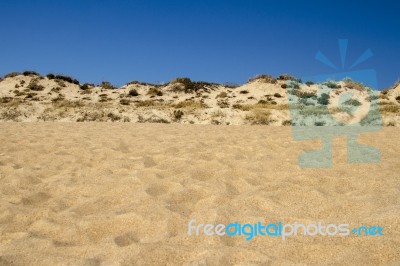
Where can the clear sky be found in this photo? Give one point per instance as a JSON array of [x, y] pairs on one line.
[[220, 41]]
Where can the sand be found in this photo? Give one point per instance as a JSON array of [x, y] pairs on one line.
[[123, 194]]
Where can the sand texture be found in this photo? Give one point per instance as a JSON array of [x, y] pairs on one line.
[[123, 194]]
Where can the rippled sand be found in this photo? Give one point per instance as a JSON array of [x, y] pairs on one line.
[[109, 194]]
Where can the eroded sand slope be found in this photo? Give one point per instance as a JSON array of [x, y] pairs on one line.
[[106, 193]]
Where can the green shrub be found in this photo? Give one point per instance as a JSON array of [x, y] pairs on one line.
[[178, 114], [133, 93], [352, 102], [332, 85], [50, 76], [67, 79], [324, 99], [12, 75], [30, 73], [85, 86], [107, 86]]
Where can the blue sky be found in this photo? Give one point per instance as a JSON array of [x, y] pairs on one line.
[[220, 41]]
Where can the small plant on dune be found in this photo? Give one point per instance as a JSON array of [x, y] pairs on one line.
[[178, 114], [146, 103], [324, 99], [223, 104], [398, 98], [284, 86], [113, 117], [222, 95], [242, 107], [30, 73], [60, 83], [12, 75], [154, 92], [34, 86], [304, 94], [190, 104], [124, 101], [286, 123], [51, 76], [264, 78], [287, 77], [259, 117], [353, 85], [244, 92], [67, 79], [133, 93], [189, 86], [277, 95], [85, 86], [107, 86], [390, 108], [309, 83], [319, 123], [332, 85], [352, 102]]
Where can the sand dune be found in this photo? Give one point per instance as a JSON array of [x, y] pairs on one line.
[[123, 194], [263, 100]]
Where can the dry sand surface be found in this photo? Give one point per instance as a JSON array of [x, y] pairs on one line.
[[123, 194]]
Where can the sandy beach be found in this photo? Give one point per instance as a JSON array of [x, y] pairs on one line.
[[123, 194]]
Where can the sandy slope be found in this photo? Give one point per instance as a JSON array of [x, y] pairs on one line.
[[31, 98], [107, 193]]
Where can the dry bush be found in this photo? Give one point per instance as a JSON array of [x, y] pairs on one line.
[[188, 86], [218, 113], [125, 101], [263, 78], [11, 114], [67, 79], [259, 117], [146, 103], [242, 107], [390, 108], [67, 104], [223, 104], [154, 92], [222, 95], [107, 86], [12, 75], [353, 85], [60, 83], [190, 104], [34, 86], [153, 119]]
